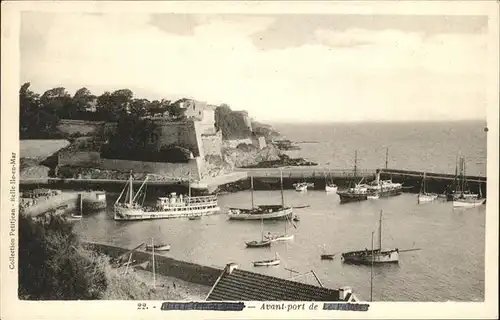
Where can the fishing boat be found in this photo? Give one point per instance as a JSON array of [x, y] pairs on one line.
[[379, 255], [328, 256], [262, 212], [329, 185], [374, 190], [374, 196], [463, 197], [423, 195], [173, 206], [194, 217], [266, 263], [262, 243], [301, 186], [282, 237], [158, 247]]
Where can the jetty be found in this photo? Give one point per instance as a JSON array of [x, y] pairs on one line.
[[269, 179]]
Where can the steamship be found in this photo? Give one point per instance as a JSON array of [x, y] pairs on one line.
[[173, 206], [375, 189]]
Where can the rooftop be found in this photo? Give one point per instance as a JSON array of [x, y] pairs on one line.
[[241, 285]]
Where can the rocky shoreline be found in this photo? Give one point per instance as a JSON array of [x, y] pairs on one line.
[[283, 161]]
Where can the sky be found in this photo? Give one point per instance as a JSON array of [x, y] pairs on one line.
[[288, 67]]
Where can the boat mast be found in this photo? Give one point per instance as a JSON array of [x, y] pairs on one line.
[[355, 163], [262, 229], [386, 157], [154, 274], [380, 232], [251, 189], [189, 184], [131, 189], [281, 182], [371, 272]]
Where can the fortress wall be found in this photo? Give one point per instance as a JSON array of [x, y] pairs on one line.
[[212, 144], [168, 170], [184, 134]]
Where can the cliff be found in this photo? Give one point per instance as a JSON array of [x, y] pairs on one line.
[[247, 155]]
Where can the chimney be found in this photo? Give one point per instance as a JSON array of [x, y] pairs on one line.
[[230, 267], [343, 292]]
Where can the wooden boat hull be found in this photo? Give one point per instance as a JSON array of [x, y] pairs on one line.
[[327, 256], [258, 244], [266, 263], [279, 214], [281, 238], [468, 203], [331, 188], [367, 257], [426, 197], [165, 247]]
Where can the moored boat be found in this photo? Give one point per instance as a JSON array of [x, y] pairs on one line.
[[367, 256], [258, 244], [374, 196], [468, 202], [173, 206], [327, 256], [374, 189], [332, 187], [266, 263], [282, 237], [463, 197], [262, 212], [423, 195], [301, 186]]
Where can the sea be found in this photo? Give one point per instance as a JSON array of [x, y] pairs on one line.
[[449, 265]]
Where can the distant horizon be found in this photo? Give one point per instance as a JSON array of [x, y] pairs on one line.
[[302, 67]]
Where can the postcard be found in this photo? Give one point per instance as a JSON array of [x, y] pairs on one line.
[[241, 160]]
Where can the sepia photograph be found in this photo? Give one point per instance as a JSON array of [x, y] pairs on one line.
[[312, 156]]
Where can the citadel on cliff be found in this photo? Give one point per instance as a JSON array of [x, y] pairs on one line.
[[210, 156]]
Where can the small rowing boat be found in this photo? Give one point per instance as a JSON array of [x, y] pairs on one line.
[[266, 263]]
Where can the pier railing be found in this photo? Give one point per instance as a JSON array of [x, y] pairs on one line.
[[306, 172]]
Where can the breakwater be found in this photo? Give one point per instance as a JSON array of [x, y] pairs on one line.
[[183, 270], [269, 179], [64, 202]]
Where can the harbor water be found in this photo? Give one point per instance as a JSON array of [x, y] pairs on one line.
[[450, 265]]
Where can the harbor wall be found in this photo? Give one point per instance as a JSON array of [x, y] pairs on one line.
[[183, 270], [435, 182]]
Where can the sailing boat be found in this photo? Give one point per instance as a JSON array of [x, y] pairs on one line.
[[262, 212], [330, 186], [374, 255], [282, 237], [425, 196], [262, 242], [266, 263], [464, 198]]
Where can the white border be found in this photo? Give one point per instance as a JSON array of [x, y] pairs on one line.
[[12, 308]]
